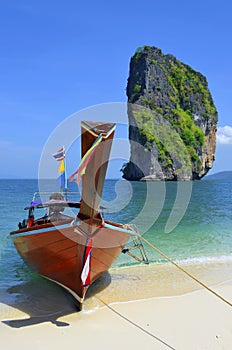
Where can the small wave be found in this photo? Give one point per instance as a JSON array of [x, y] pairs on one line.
[[201, 260], [205, 260]]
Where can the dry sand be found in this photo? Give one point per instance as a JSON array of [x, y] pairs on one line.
[[150, 307]]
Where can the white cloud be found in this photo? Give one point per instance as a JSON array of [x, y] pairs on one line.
[[224, 135]]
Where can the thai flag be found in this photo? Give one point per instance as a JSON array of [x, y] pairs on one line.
[[60, 157], [85, 274], [60, 154]]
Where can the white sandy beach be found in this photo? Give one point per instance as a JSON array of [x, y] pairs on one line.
[[172, 320]]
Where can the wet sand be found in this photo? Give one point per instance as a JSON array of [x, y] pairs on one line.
[[142, 307]]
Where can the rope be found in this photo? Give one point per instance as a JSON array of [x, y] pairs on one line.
[[183, 270], [136, 325], [176, 265]]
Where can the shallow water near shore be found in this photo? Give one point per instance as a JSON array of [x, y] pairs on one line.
[[155, 280], [201, 243], [38, 300]]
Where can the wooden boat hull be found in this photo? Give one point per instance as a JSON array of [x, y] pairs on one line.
[[57, 253], [74, 252]]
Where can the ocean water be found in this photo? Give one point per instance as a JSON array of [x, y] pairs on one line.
[[199, 230]]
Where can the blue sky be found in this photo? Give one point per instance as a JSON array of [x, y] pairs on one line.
[[59, 57]]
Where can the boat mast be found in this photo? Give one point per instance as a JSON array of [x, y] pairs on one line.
[[94, 177]]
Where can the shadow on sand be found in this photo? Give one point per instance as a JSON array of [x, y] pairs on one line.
[[44, 301]]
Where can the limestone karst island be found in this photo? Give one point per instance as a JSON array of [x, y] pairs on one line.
[[172, 118]]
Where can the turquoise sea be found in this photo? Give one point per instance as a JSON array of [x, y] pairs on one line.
[[203, 234]]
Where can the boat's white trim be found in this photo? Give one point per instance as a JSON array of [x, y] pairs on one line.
[[75, 295], [42, 230], [120, 229], [110, 131]]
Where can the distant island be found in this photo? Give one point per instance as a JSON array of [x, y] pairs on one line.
[[222, 175], [172, 119]]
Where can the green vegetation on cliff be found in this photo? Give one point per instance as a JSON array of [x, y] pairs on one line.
[[169, 88], [157, 131], [188, 91]]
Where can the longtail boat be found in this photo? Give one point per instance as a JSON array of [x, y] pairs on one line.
[[74, 251]]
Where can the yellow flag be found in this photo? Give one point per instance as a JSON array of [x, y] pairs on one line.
[[61, 168]]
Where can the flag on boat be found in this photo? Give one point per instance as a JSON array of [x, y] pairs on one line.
[[85, 160], [60, 157], [62, 172], [60, 154], [85, 274]]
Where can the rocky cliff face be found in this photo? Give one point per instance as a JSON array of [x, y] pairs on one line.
[[172, 119]]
